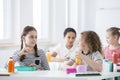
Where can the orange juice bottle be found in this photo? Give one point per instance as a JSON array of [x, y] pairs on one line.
[[11, 65], [78, 61], [48, 56]]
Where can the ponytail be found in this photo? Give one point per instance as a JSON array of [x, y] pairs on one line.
[[114, 31], [119, 31]]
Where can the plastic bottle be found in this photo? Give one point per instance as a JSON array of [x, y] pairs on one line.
[[115, 61], [11, 65], [114, 58], [78, 61], [105, 66], [48, 56]]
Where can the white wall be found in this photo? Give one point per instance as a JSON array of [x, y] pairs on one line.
[[107, 15], [57, 19]]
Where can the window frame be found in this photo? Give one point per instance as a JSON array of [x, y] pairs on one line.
[[44, 20], [7, 23]]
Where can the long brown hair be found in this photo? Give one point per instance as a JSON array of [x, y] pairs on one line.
[[92, 40], [114, 31], [26, 30]]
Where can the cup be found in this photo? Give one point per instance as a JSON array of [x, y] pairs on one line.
[[110, 66], [37, 62], [81, 68]]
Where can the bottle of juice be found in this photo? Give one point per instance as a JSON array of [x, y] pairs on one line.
[[78, 61], [48, 56], [114, 58], [11, 65]]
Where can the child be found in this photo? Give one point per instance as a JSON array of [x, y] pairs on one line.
[[29, 52], [112, 38], [90, 51], [65, 51]]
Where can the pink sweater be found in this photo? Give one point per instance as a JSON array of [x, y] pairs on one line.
[[108, 53]]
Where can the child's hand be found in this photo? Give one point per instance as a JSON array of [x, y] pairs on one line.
[[109, 59], [74, 65], [25, 50], [78, 54], [33, 64], [65, 58]]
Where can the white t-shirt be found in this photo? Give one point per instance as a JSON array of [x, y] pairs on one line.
[[62, 51]]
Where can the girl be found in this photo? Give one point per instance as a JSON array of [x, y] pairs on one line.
[[90, 51], [29, 54], [65, 51], [112, 38]]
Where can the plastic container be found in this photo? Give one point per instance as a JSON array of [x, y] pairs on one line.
[[81, 68], [25, 68], [70, 70], [110, 66], [10, 65], [105, 66]]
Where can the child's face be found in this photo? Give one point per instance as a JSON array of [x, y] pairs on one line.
[[82, 45], [30, 39], [70, 38], [110, 38]]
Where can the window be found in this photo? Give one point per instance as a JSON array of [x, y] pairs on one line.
[[13, 18], [1, 19], [41, 18], [5, 21]]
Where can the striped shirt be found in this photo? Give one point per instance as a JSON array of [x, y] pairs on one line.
[[30, 58]]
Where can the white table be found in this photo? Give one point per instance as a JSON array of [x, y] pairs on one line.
[[54, 75]]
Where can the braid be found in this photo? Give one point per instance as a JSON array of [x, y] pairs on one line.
[[23, 56]]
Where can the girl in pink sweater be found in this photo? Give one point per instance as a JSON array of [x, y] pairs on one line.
[[112, 38]]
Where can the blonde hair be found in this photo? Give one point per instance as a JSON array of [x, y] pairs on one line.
[[92, 40], [114, 31]]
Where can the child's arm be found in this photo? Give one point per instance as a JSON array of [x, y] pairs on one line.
[[55, 59], [96, 65], [44, 62]]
